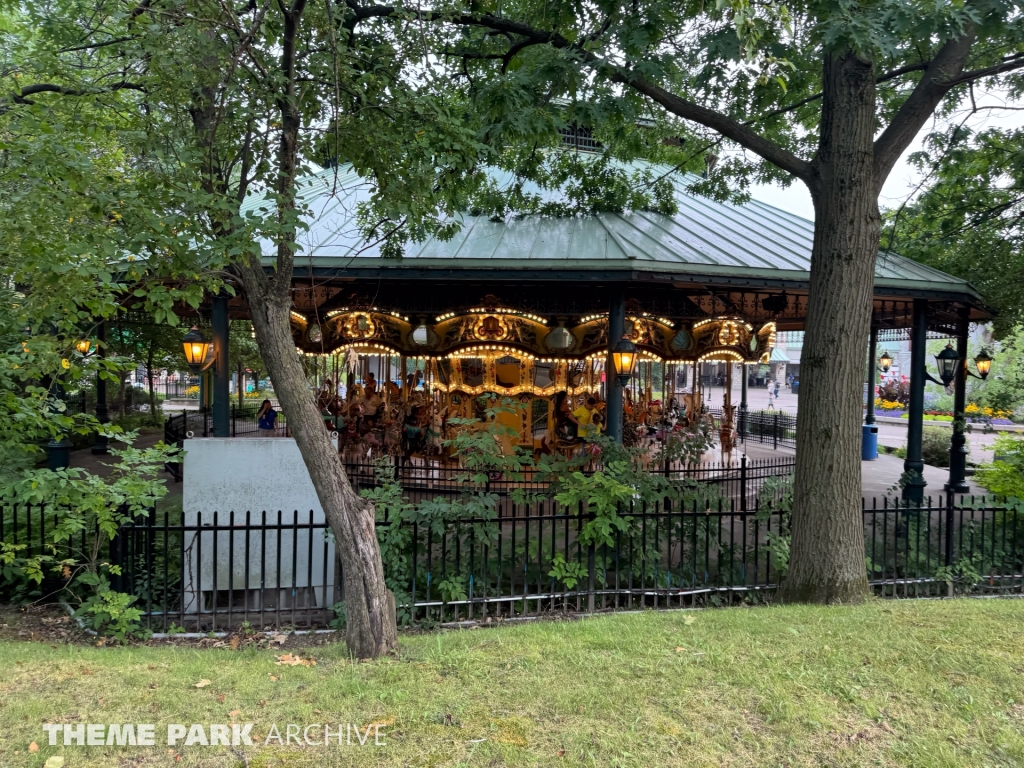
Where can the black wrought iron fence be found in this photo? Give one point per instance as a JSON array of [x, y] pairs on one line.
[[421, 479], [216, 570], [76, 404], [182, 389], [770, 428]]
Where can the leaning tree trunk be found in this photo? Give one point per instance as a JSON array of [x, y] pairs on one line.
[[370, 622], [827, 549]]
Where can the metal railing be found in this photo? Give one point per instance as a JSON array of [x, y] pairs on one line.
[[182, 389], [776, 429], [741, 480], [216, 570]]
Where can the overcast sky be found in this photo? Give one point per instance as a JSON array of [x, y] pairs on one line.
[[904, 178]]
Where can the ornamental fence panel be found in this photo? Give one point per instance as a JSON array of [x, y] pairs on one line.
[[742, 480], [768, 428], [215, 570]]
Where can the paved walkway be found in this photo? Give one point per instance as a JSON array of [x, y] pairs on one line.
[[879, 476]]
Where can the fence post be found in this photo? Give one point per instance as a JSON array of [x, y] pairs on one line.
[[234, 428], [743, 483], [590, 568], [949, 539], [775, 430]]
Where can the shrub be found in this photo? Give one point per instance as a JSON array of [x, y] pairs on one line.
[[1005, 476], [935, 446]]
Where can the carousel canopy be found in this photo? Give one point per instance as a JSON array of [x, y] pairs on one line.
[[749, 243]]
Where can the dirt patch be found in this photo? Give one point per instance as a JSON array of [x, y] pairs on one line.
[[40, 624]]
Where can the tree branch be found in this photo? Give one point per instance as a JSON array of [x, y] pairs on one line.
[[688, 110], [31, 90], [941, 74], [891, 75], [1016, 61]]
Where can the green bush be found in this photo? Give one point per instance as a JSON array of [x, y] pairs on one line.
[[935, 446], [1005, 476]]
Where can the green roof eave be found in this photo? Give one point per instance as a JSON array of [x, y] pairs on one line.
[[360, 264]]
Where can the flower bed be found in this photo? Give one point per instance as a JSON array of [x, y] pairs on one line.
[[976, 414]]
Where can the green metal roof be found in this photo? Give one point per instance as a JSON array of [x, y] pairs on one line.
[[704, 238]]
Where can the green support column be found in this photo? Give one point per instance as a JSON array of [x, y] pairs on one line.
[[869, 412], [616, 327], [99, 447], [913, 467], [958, 442], [221, 396]]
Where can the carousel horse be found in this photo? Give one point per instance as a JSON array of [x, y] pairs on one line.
[[727, 434], [435, 443], [392, 424], [327, 400], [351, 444]]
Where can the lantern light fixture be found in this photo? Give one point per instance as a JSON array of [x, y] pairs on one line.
[[946, 361], [197, 350], [984, 363], [624, 358], [885, 362]]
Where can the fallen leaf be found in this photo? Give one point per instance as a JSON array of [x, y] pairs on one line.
[[273, 678], [317, 712], [153, 686], [54, 762], [688, 620], [202, 683], [679, 648], [220, 698], [561, 753], [279, 639], [234, 713], [292, 660], [262, 702], [235, 641], [33, 747]]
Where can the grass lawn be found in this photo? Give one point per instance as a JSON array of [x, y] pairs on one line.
[[935, 683]]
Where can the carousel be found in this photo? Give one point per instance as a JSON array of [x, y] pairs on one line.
[[389, 385], [540, 314]]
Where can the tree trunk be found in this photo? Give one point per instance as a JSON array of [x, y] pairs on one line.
[[370, 624], [149, 380], [827, 549]]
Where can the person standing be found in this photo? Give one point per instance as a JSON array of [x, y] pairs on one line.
[[266, 420]]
